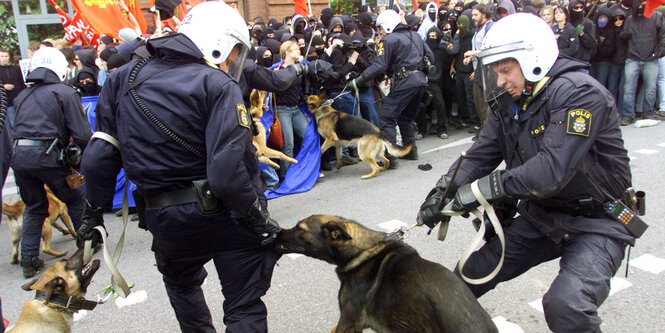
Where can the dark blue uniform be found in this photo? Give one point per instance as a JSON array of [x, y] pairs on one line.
[[400, 52], [203, 106], [549, 142], [5, 157], [46, 111]]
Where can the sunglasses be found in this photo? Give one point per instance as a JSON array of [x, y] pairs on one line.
[[619, 19], [446, 29]]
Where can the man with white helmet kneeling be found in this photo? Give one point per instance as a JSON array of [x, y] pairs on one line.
[[558, 132], [178, 125]]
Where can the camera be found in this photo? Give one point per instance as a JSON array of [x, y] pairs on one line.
[[428, 68]]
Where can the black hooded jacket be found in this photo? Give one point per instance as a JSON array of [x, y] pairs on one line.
[[588, 45], [441, 55]]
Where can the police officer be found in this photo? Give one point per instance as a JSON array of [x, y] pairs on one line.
[[47, 114], [184, 139], [5, 155], [400, 55], [558, 132]]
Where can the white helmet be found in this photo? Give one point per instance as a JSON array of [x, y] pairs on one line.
[[216, 28], [523, 37], [52, 59], [388, 19]]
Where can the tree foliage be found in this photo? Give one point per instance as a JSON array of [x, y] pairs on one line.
[[8, 33]]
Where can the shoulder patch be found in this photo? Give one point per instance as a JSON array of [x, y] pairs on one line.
[[579, 122], [380, 50], [243, 115]]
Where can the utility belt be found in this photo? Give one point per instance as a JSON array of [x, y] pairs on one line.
[[199, 192], [404, 72], [52, 144], [586, 207]]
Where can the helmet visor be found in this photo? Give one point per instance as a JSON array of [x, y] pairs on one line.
[[493, 60], [235, 69]]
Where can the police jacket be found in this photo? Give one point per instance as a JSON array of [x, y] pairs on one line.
[[403, 48], [569, 129], [255, 76], [199, 103], [645, 37], [47, 110]]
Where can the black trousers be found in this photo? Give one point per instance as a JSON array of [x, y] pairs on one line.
[[588, 261], [184, 240], [31, 185], [439, 107], [467, 108], [400, 108]]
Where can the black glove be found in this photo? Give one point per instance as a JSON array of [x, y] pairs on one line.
[[430, 211], [262, 224], [92, 217], [321, 72], [301, 69], [490, 187], [353, 84]]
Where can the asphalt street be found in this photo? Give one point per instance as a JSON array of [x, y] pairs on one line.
[[303, 296]]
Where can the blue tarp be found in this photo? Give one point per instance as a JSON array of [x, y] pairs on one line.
[[89, 104]]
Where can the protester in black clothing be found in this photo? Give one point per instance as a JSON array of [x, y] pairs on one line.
[[437, 104], [86, 83], [586, 31], [11, 79], [607, 39], [462, 42], [564, 32]]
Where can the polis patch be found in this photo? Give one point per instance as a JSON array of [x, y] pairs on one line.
[[243, 115], [579, 122], [380, 51]]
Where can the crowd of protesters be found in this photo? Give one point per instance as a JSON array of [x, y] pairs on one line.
[[625, 51]]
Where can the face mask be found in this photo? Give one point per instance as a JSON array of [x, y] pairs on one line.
[[640, 11], [265, 62], [463, 30], [89, 88], [432, 16], [303, 49], [574, 16], [602, 23], [319, 51], [312, 58], [432, 43]]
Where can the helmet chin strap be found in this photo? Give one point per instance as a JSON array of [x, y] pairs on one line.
[[528, 88]]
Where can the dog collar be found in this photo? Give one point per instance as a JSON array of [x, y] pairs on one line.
[[66, 303]]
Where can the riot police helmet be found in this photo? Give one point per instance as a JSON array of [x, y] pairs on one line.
[[388, 20], [524, 38], [51, 58], [216, 29]]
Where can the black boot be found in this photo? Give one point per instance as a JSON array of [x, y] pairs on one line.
[[31, 264], [393, 162], [412, 155]]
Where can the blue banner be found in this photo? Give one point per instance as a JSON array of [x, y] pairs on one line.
[[89, 104]]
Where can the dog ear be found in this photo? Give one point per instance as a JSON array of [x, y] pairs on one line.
[[56, 285], [254, 98], [336, 232]]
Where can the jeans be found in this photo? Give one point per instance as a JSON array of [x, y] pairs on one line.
[[343, 103], [270, 176], [293, 121], [661, 84], [10, 115], [367, 105], [600, 70], [632, 71]]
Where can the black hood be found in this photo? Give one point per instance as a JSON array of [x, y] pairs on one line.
[[87, 57], [438, 33], [326, 15], [42, 75], [565, 64], [174, 43]]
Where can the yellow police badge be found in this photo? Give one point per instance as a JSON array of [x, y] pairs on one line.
[[380, 51], [243, 115], [579, 122]]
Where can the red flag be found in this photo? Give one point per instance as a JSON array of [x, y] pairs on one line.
[[64, 18], [135, 9], [104, 16], [301, 7], [76, 28], [651, 7], [415, 5]]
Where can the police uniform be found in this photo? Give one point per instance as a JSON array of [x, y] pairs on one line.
[[5, 157], [255, 76], [47, 114], [203, 106], [400, 56], [563, 150]]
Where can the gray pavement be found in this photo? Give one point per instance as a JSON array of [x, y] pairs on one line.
[[303, 293]]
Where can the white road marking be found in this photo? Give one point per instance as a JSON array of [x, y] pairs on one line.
[[505, 326], [649, 263], [450, 145], [646, 151], [133, 298], [392, 225], [537, 304], [632, 158], [294, 255], [618, 284], [661, 144]]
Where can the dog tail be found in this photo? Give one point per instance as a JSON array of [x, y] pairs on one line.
[[396, 150]]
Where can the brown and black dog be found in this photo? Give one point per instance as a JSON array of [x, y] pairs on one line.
[[56, 208], [340, 129], [264, 153], [64, 279], [386, 285]]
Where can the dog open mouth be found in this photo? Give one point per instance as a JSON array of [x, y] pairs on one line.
[[87, 272]]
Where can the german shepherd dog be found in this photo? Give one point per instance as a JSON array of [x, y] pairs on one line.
[[64, 279], [340, 129], [56, 208], [264, 153], [385, 285]]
